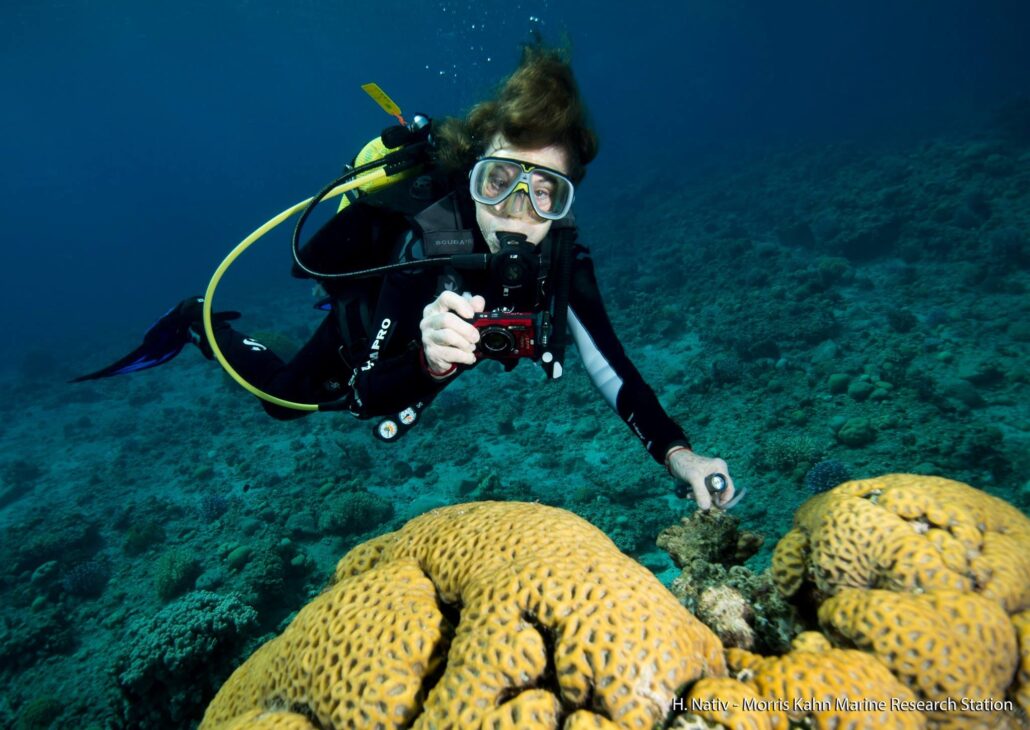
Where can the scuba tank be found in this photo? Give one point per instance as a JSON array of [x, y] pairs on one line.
[[387, 191]]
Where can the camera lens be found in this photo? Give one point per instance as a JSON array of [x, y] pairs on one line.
[[512, 273], [514, 269], [496, 340]]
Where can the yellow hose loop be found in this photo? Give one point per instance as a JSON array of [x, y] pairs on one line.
[[209, 295]]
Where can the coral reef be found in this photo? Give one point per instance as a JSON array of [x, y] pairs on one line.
[[740, 606], [920, 588], [27, 637], [17, 478], [63, 535], [724, 610], [928, 575], [909, 533], [86, 580], [945, 645], [39, 714], [1021, 621], [818, 686], [269, 571], [825, 475], [353, 512], [142, 536], [177, 658], [174, 572], [884, 282], [788, 453], [711, 538], [632, 536], [484, 614], [212, 506]]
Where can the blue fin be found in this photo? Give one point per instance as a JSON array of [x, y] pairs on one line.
[[162, 341]]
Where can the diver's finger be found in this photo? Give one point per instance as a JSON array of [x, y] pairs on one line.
[[450, 301], [451, 355], [450, 338], [701, 495], [451, 321]]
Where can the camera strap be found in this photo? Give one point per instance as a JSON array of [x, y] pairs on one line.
[[552, 358]]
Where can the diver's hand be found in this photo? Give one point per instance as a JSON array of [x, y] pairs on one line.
[[447, 339], [692, 468]]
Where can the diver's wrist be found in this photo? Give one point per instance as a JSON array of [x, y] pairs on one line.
[[428, 369], [672, 450]]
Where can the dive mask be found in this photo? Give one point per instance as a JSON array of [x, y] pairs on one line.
[[495, 179]]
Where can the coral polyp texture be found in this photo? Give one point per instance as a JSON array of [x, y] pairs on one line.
[[727, 612], [1022, 623], [928, 575], [499, 615], [814, 685], [825, 686], [945, 645], [905, 532]]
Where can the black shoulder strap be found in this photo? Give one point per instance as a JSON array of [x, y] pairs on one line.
[[553, 358], [444, 230]]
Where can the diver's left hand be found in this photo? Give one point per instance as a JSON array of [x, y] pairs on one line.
[[692, 468]]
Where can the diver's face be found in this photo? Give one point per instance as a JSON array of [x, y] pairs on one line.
[[515, 214]]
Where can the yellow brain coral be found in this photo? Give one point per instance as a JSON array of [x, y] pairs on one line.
[[810, 641], [261, 720], [827, 688], [492, 615], [726, 702], [956, 649], [909, 533], [1021, 622], [922, 573]]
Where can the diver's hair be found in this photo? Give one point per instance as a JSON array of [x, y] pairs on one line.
[[538, 105]]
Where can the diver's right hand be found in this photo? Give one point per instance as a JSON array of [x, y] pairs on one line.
[[448, 340]]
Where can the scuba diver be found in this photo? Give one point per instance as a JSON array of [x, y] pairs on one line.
[[464, 249]]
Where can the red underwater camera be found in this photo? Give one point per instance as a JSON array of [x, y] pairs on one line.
[[507, 335]]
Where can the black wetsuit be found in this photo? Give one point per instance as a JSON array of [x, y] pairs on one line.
[[372, 353]]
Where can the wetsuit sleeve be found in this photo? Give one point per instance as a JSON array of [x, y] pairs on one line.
[[392, 376], [610, 368]]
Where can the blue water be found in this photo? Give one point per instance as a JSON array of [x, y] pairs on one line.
[[763, 171], [140, 143]]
